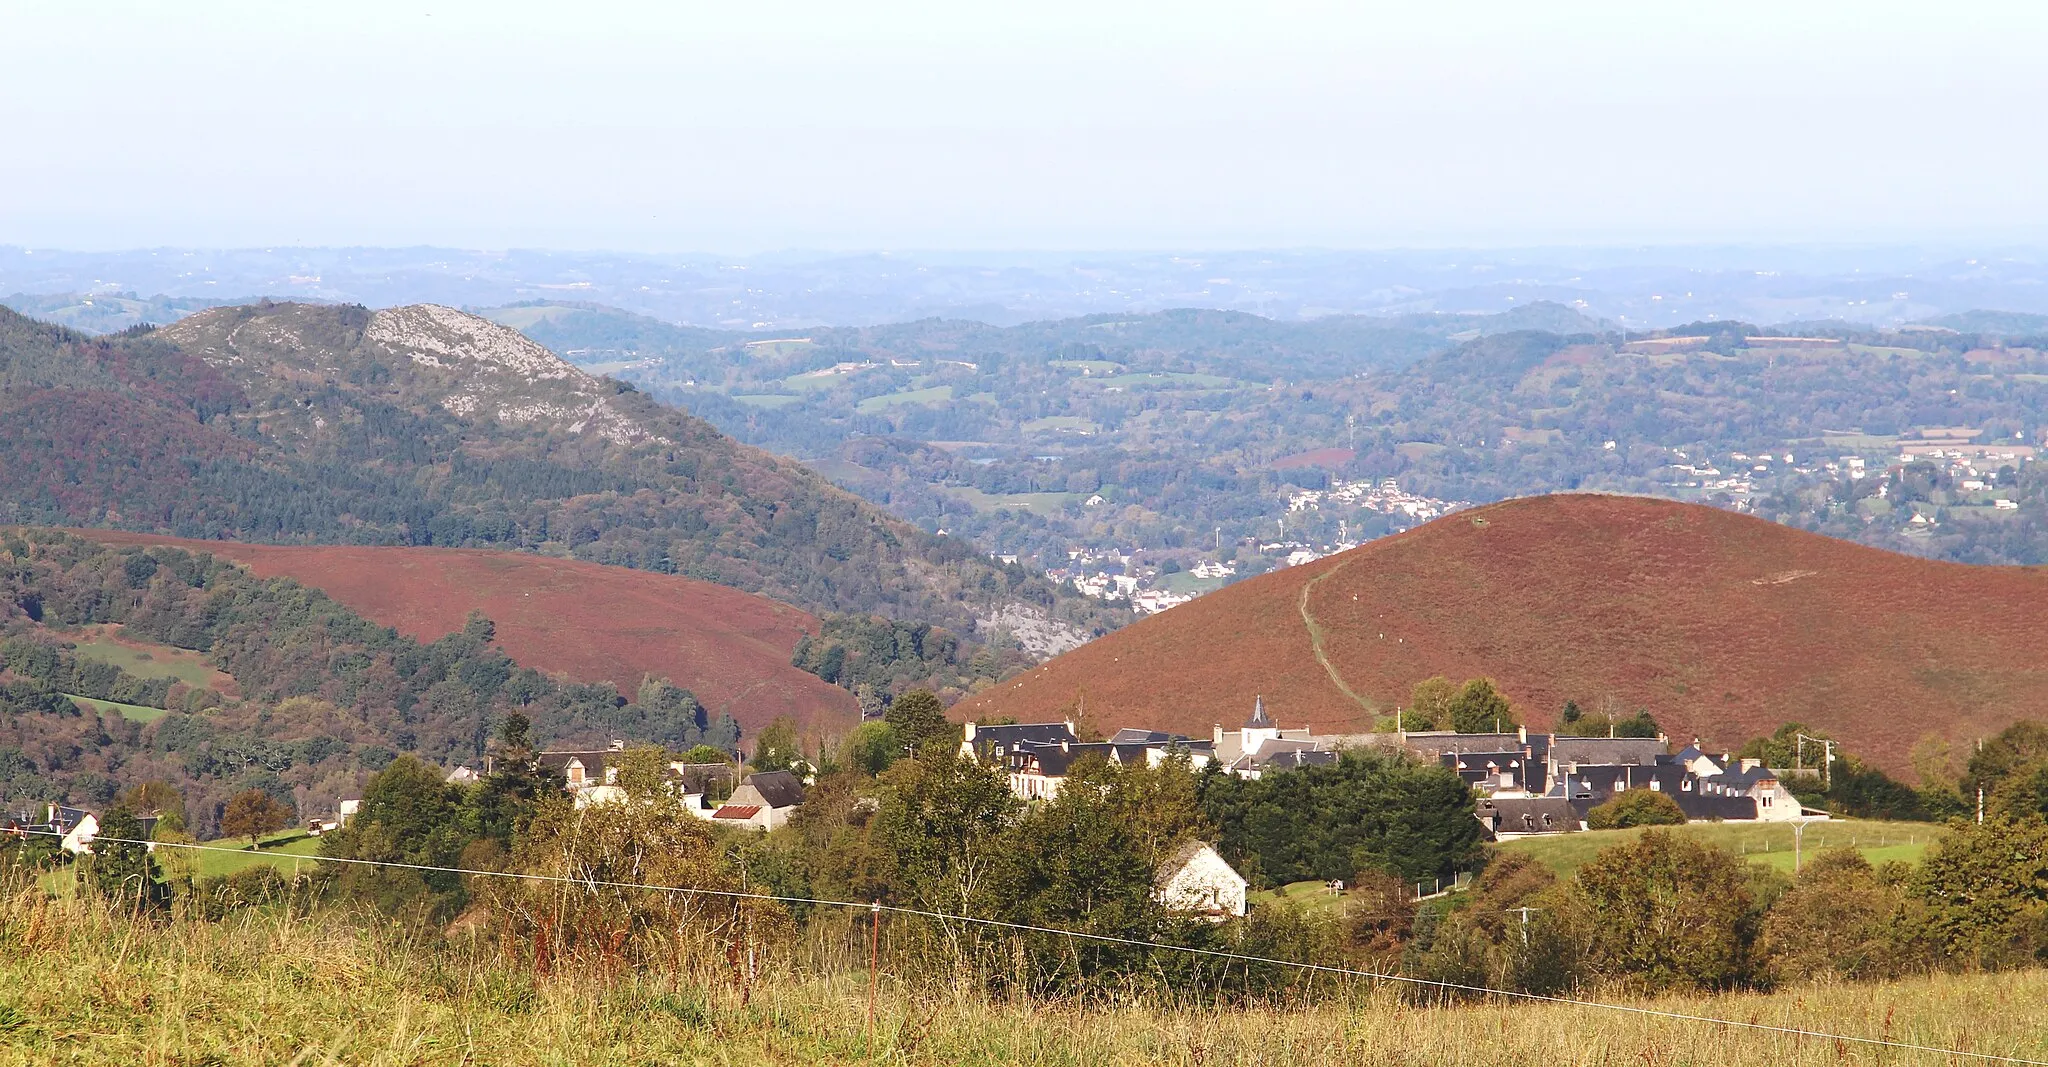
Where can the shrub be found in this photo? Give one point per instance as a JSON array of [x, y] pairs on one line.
[[1635, 807]]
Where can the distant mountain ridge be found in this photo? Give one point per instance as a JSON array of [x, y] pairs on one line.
[[300, 423]]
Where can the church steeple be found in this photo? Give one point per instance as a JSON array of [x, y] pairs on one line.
[[1258, 721]]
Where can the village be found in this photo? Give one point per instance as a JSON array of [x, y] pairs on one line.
[[1152, 588], [1523, 783]]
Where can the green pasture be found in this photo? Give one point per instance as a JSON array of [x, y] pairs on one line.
[[175, 664], [937, 394], [1759, 842], [137, 712]]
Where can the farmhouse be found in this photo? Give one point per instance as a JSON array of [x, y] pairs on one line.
[[763, 801], [1194, 879]]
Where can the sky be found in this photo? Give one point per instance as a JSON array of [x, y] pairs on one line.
[[765, 125]]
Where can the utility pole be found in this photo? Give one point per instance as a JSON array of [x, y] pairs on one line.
[[1827, 755], [1798, 838], [1524, 912]]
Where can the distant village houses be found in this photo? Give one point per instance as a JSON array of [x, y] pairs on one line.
[[1528, 783]]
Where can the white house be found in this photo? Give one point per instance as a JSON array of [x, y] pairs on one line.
[[84, 825], [1195, 879], [763, 801]]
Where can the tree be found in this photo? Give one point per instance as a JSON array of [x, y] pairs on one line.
[[1635, 807], [699, 754], [1638, 725], [1429, 705], [1985, 888], [159, 798], [643, 772], [2016, 748], [943, 820], [1667, 912], [1368, 811], [252, 813], [1479, 708], [409, 814], [1842, 920], [121, 869], [479, 628], [1571, 713], [778, 748], [1077, 863], [872, 747], [920, 721]]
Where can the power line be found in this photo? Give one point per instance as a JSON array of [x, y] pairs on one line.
[[1322, 968]]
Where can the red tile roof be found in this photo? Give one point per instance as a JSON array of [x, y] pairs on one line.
[[736, 811]]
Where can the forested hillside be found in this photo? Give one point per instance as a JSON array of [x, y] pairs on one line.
[[325, 696], [425, 426]]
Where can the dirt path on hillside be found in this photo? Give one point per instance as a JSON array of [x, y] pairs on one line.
[[1315, 640]]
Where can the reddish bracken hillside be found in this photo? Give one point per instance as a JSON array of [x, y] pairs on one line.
[[589, 622], [1722, 625]]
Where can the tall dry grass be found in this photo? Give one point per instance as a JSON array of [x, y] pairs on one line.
[[81, 986]]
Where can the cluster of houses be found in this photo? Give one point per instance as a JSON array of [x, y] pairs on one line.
[[1528, 783], [762, 800]]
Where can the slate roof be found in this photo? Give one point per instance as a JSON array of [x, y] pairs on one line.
[[988, 738], [1299, 758], [780, 789], [1528, 815], [1131, 735], [594, 761], [1259, 719], [1709, 808], [1692, 752], [1607, 750]]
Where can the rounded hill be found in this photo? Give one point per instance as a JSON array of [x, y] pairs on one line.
[[586, 621], [1722, 625]]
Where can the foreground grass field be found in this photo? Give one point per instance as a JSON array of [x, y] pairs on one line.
[[79, 987], [1767, 843]]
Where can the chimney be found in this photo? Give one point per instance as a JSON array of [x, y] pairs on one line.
[[1522, 732], [1070, 729], [1216, 733], [1066, 745], [967, 732], [618, 745]]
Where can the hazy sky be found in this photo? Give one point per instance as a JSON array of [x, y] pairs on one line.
[[754, 125]]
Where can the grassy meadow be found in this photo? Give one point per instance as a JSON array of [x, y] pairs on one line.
[[137, 712], [79, 986], [151, 661], [1757, 842]]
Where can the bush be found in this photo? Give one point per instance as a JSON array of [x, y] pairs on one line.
[[1635, 807], [1665, 912]]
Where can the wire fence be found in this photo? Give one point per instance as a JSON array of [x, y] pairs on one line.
[[876, 908]]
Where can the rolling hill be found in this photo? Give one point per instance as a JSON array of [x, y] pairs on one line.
[[1722, 625], [422, 425], [589, 622]]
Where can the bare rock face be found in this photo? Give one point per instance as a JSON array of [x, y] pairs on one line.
[[499, 373], [470, 366], [1039, 633]]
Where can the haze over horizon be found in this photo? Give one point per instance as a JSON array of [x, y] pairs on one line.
[[649, 128]]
